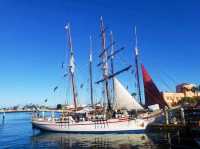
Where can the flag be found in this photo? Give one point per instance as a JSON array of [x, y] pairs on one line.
[[65, 75], [133, 94], [55, 88], [62, 65], [81, 86]]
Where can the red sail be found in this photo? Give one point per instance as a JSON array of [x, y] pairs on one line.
[[152, 94]]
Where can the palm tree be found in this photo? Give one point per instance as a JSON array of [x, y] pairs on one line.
[[195, 90], [184, 90], [198, 90], [134, 94]]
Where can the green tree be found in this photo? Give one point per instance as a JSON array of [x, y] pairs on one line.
[[59, 106]]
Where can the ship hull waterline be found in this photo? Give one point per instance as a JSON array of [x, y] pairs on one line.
[[112, 126]]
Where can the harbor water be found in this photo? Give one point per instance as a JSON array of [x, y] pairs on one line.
[[16, 132]]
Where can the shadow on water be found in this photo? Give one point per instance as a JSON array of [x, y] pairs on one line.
[[174, 140]]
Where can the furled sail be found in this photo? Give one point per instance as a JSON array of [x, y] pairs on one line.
[[72, 64], [123, 99], [152, 94]]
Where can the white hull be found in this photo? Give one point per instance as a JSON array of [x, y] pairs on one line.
[[111, 126]]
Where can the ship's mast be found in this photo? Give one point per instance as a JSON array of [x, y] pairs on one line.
[[112, 62], [71, 65], [90, 71], [105, 64], [137, 66]]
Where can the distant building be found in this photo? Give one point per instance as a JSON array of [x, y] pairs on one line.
[[182, 90]]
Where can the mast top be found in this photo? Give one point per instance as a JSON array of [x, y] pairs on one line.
[[102, 29], [101, 18], [111, 33], [136, 41], [112, 46], [101, 24], [67, 27], [90, 48]]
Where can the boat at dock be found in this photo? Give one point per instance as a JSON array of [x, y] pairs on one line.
[[120, 113], [96, 121], [122, 125]]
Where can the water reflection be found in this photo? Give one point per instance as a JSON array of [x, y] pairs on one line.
[[173, 140], [115, 141], [2, 122]]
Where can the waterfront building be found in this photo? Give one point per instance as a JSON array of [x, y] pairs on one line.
[[182, 90]]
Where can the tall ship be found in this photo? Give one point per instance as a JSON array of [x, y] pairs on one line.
[[120, 111]]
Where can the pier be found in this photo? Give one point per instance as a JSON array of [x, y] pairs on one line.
[[178, 119]]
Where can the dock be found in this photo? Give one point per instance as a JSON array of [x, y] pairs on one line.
[[158, 127], [178, 119]]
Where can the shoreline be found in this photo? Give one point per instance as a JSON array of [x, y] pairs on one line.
[[18, 111]]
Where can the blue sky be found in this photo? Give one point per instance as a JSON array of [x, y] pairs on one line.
[[33, 44]]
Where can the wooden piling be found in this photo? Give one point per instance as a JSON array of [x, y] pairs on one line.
[[166, 116], [182, 116], [43, 114], [4, 115]]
